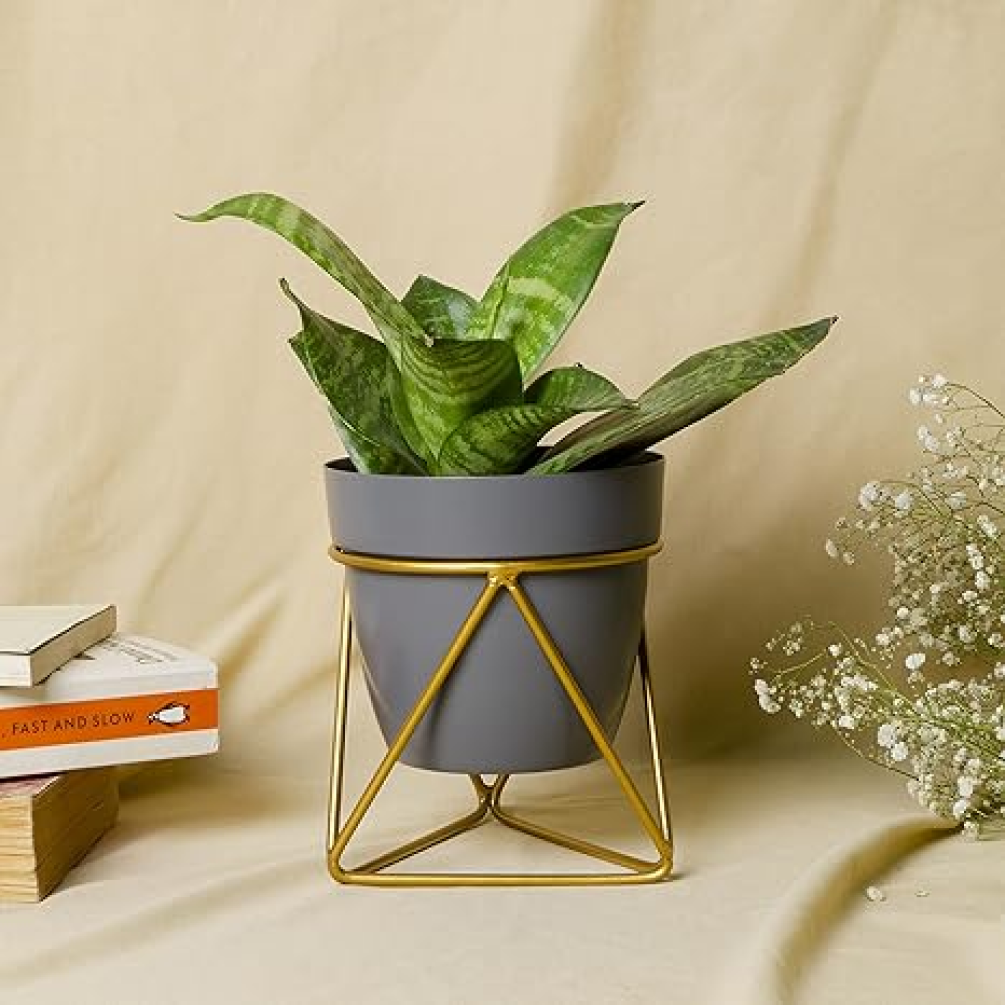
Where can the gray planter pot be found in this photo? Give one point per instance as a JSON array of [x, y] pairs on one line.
[[502, 710]]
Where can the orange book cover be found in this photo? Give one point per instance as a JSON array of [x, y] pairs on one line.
[[126, 699]]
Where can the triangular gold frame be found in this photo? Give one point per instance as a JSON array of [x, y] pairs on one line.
[[498, 576]]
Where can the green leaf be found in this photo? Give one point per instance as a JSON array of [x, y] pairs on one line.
[[700, 385], [328, 250], [452, 379], [576, 387], [537, 293], [403, 415], [441, 310], [350, 369], [500, 440]]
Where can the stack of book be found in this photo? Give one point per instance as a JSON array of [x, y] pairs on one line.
[[47, 824], [77, 699]]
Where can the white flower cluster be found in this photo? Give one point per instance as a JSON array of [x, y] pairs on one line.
[[941, 527]]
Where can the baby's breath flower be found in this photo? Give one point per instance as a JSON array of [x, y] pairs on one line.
[[886, 735], [947, 597], [868, 495]]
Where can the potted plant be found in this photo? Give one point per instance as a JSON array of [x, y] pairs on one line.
[[443, 419]]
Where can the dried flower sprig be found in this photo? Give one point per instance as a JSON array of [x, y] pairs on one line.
[[943, 527]]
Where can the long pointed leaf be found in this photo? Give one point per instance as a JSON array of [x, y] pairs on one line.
[[350, 369], [540, 289], [442, 311], [700, 385], [328, 250], [451, 380]]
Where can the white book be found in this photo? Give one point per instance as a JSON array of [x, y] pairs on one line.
[[34, 641], [125, 700]]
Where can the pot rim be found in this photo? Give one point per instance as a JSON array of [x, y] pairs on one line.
[[474, 516], [344, 468]]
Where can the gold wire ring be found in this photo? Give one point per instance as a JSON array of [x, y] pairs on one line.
[[488, 567]]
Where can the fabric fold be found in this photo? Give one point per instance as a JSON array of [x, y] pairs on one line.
[[768, 969]]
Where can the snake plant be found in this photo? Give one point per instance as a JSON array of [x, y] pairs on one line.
[[453, 385]]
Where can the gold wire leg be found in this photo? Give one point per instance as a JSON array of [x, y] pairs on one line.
[[655, 747], [341, 716], [489, 796]]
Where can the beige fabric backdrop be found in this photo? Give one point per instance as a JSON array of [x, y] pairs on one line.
[[159, 447]]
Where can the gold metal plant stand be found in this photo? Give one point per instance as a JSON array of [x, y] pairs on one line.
[[499, 576]]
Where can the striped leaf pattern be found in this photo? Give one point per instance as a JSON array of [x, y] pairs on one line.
[[700, 385], [538, 292], [350, 369], [500, 440], [402, 413], [328, 250], [453, 379], [442, 311], [575, 387]]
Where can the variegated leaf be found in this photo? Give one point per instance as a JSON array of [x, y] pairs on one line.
[[403, 415], [350, 369], [328, 250], [441, 310], [537, 293], [498, 441], [575, 387], [452, 379], [700, 385]]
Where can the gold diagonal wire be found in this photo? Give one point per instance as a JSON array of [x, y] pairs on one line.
[[655, 870], [459, 826], [572, 843], [569, 841], [655, 747], [586, 713], [438, 679]]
